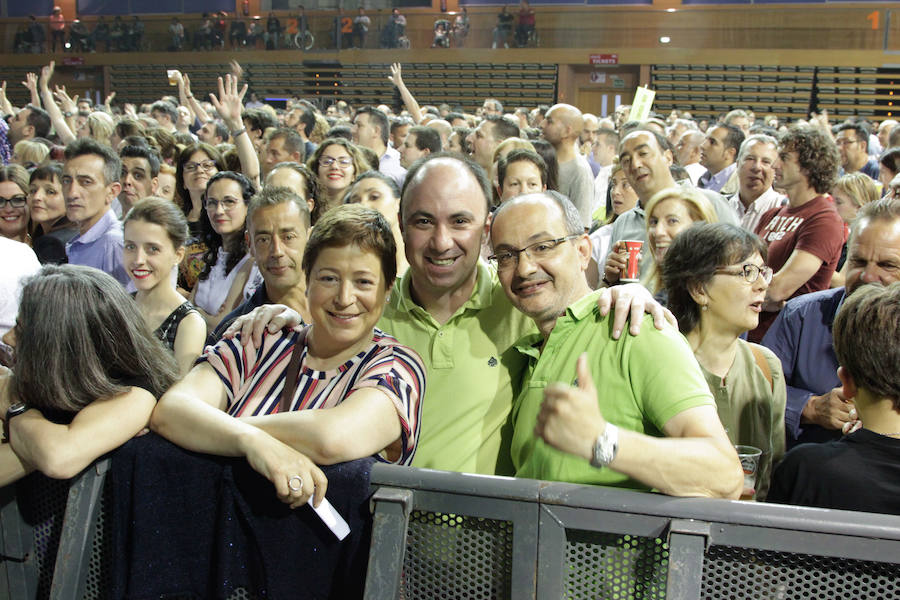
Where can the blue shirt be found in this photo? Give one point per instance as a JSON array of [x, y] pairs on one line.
[[716, 182], [389, 164], [801, 338], [101, 247]]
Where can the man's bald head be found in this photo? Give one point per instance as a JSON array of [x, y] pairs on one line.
[[443, 128], [570, 115], [591, 127], [562, 124], [687, 149]]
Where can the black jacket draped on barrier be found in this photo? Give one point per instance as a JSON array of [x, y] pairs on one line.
[[189, 525]]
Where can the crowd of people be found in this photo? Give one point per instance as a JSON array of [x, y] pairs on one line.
[[233, 31], [279, 285]]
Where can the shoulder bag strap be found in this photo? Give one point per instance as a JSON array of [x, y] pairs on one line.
[[290, 378], [762, 364]]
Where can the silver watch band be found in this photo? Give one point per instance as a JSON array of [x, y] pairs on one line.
[[605, 447]]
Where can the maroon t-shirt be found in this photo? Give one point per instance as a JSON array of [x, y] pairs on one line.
[[817, 228]]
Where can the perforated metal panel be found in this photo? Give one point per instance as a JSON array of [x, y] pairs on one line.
[[451, 556], [43, 505], [742, 573], [98, 576], [612, 566]]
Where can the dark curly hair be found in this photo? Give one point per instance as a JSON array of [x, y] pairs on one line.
[[817, 155], [181, 191], [693, 258], [237, 248]]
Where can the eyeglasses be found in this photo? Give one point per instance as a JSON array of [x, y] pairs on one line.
[[15, 201], [508, 259], [206, 165], [750, 273], [327, 161], [844, 142], [227, 204]]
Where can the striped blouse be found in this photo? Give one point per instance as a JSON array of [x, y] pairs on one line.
[[254, 379]]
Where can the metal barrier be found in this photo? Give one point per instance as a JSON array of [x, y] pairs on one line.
[[453, 535], [53, 536]]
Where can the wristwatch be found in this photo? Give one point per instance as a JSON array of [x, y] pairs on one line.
[[13, 411], [605, 447]]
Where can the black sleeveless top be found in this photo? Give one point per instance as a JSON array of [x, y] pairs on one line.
[[169, 328]]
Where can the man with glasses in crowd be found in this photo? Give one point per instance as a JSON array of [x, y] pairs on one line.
[[655, 425], [852, 140]]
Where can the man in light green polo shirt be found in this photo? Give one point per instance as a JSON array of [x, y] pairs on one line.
[[653, 422], [450, 308]]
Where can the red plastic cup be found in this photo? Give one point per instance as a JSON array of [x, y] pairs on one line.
[[632, 267]]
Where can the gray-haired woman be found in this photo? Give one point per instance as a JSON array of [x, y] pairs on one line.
[[86, 375]]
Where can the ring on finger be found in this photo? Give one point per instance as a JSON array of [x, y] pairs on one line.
[[299, 485]]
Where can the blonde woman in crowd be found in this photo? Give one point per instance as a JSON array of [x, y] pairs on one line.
[[30, 154], [99, 126], [851, 192], [14, 203], [668, 212]]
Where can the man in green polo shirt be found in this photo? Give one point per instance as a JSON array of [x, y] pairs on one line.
[[653, 423], [450, 308]]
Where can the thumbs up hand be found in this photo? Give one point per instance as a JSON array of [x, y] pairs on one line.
[[570, 418]]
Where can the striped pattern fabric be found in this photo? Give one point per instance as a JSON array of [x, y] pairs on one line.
[[254, 379]]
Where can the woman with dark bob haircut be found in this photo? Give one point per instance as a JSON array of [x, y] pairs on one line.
[[716, 278], [336, 390], [86, 374]]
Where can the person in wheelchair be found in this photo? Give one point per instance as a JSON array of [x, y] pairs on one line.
[[441, 34], [86, 374]]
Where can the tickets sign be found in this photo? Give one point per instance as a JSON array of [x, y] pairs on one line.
[[604, 59]]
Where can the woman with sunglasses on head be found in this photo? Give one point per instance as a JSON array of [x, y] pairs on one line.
[[336, 163], [227, 263], [716, 279]]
